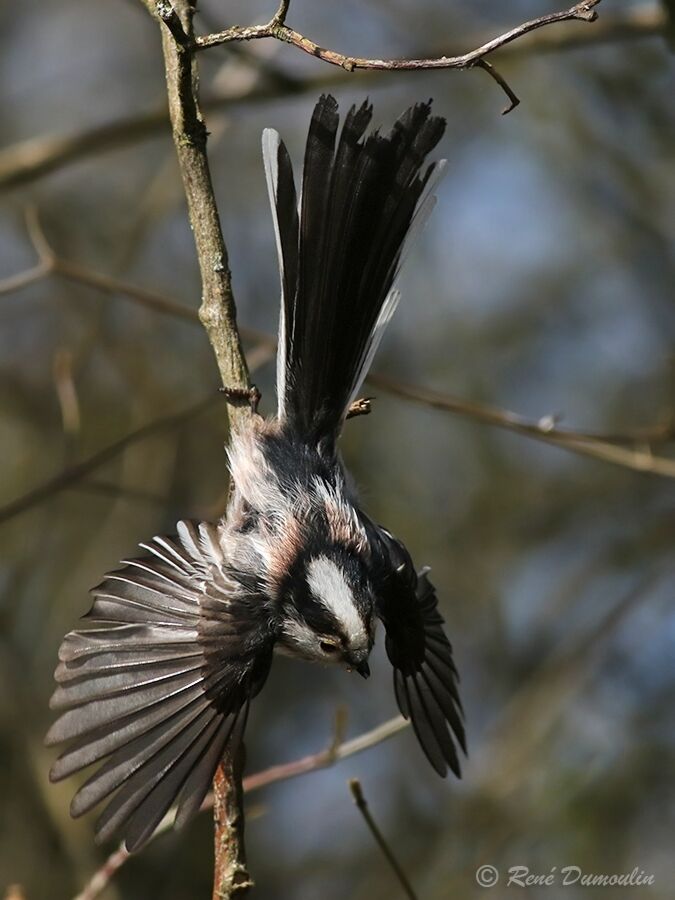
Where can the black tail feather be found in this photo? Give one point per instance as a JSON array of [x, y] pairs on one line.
[[360, 201]]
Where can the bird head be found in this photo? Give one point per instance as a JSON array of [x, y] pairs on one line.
[[328, 611]]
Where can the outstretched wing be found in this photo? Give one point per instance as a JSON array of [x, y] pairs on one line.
[[161, 684], [425, 677]]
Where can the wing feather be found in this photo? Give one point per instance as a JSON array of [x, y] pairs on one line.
[[425, 676], [161, 684]]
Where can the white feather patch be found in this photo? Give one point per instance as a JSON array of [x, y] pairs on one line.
[[327, 583], [270, 148]]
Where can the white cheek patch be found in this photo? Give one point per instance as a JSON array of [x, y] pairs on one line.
[[328, 585]]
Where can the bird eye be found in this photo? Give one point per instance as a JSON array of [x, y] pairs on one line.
[[327, 647]]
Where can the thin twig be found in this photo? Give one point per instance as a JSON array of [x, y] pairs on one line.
[[361, 407], [276, 28], [22, 279], [38, 156], [99, 881], [362, 806], [107, 284], [171, 19], [638, 458], [327, 757], [50, 263], [503, 84], [335, 751]]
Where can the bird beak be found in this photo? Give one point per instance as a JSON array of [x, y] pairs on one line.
[[363, 669]]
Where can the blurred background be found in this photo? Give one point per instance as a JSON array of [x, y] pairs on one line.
[[543, 285]]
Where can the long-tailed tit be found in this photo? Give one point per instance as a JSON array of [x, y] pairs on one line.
[[182, 638]]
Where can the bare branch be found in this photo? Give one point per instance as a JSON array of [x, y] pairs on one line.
[[37, 236], [362, 806], [230, 877], [217, 314], [171, 19], [638, 457], [327, 757], [107, 284], [276, 28], [22, 279], [534, 709], [503, 84], [30, 159], [50, 263], [99, 881]]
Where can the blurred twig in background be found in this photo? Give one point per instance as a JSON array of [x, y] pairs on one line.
[[638, 457], [362, 806], [74, 474], [532, 711]]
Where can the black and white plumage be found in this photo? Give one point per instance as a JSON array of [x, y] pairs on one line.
[[182, 638]]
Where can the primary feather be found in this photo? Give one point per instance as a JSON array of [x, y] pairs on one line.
[[160, 685]]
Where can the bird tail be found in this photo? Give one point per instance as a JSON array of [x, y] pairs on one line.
[[340, 253]]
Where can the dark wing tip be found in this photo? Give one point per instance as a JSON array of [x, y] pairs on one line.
[[425, 676]]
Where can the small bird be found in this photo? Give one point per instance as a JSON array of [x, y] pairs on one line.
[[182, 637]]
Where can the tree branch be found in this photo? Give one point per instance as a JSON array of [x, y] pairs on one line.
[[217, 312], [638, 457], [218, 316], [38, 156], [277, 28]]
